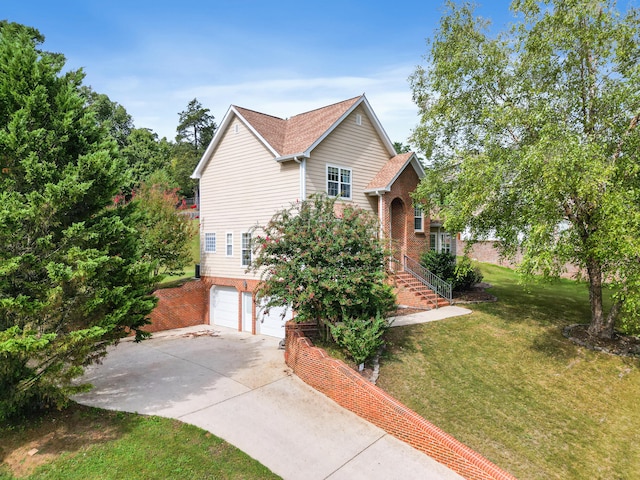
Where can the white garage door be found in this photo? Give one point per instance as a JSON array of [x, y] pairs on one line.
[[224, 307], [272, 324]]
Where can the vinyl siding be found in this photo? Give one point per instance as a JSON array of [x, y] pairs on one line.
[[241, 186], [353, 146]]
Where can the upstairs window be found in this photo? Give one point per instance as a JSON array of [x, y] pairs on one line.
[[210, 242], [246, 249], [339, 182], [418, 219], [229, 244]]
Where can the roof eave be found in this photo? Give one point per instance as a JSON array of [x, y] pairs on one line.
[[295, 156], [377, 191], [197, 173]]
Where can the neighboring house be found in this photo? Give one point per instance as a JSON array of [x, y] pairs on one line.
[[258, 164]]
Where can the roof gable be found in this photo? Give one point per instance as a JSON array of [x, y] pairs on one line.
[[297, 136], [389, 173]]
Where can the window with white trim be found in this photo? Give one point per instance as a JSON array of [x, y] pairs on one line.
[[246, 249], [229, 245], [339, 182], [418, 219], [210, 242], [441, 241]]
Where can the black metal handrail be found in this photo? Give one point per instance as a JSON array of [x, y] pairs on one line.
[[428, 278]]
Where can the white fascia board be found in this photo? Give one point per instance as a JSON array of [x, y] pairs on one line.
[[295, 156], [377, 191], [413, 160], [376, 124], [255, 132], [226, 121], [379, 128]]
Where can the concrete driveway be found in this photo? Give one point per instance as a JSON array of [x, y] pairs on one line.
[[238, 387]]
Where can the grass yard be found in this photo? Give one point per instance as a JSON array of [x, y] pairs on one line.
[[504, 381], [87, 443]]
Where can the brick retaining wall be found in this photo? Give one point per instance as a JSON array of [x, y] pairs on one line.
[[350, 390], [179, 307]]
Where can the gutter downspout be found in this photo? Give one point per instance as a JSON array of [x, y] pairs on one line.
[[380, 213], [303, 176]]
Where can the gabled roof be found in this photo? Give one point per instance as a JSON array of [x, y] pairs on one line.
[[391, 170], [297, 136]]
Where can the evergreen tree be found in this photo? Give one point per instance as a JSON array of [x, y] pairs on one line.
[[72, 281]]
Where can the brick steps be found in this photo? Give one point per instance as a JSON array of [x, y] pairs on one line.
[[413, 293]]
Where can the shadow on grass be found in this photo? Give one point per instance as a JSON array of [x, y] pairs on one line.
[[52, 433], [400, 341], [553, 344]]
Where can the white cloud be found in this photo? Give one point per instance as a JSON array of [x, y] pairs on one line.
[[157, 107]]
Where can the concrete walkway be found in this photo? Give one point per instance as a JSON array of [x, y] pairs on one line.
[[238, 387], [429, 316]]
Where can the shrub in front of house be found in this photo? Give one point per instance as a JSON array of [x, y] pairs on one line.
[[461, 274]]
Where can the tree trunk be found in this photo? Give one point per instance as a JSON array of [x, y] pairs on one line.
[[599, 327]]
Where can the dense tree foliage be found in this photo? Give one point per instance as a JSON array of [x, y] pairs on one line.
[[166, 232], [111, 115], [72, 280], [146, 155], [533, 137], [325, 260]]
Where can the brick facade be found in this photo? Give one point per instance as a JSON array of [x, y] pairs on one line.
[[487, 252], [347, 388], [188, 305], [398, 219]]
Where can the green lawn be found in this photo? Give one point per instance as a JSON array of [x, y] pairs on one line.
[[86, 443], [504, 381]]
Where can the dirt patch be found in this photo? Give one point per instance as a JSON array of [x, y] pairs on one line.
[[621, 345], [53, 433]]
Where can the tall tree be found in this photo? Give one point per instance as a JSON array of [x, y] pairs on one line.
[[72, 280], [146, 155], [196, 126], [533, 137], [111, 115]]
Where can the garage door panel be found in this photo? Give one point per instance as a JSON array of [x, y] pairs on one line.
[[271, 323], [224, 307]]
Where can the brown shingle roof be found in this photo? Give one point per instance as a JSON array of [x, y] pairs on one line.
[[388, 172], [298, 133]]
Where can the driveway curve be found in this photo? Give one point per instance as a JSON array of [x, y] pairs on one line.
[[237, 386]]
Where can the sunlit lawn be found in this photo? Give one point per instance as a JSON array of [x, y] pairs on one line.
[[88, 443], [504, 381]]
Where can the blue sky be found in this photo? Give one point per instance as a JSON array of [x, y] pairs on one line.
[[277, 57]]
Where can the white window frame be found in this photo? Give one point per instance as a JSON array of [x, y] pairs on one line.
[[441, 241], [210, 242], [228, 245], [340, 182], [246, 248], [418, 215]]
